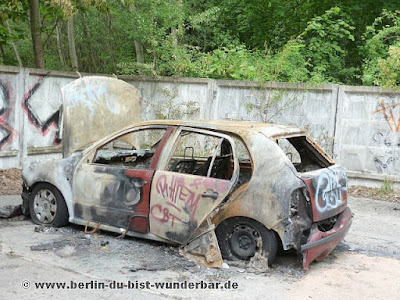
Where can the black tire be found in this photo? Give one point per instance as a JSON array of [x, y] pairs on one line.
[[47, 206], [238, 236]]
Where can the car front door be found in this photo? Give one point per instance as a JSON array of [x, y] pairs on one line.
[[194, 178], [112, 183]]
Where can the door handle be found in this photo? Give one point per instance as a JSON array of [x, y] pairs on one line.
[[212, 195]]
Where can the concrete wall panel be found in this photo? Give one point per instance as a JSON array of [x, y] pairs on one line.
[[358, 126]]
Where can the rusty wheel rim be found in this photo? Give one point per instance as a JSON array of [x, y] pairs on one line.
[[243, 241]]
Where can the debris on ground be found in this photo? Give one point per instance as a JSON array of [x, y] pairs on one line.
[[79, 242], [258, 263], [45, 229], [104, 243], [10, 211]]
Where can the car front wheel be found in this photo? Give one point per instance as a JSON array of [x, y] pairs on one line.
[[47, 206], [241, 238]]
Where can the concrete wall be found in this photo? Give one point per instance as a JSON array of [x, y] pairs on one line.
[[351, 123], [367, 137]]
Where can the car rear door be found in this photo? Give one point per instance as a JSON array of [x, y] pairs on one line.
[[197, 174]]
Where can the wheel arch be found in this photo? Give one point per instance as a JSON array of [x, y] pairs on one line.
[[58, 172], [235, 207], [279, 240], [225, 231]]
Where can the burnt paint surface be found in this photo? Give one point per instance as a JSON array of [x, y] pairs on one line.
[[116, 195], [320, 251], [160, 148], [59, 173], [94, 107], [140, 222], [267, 196], [179, 203], [119, 197], [328, 191]]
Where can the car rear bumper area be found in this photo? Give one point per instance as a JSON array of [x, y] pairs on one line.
[[320, 244]]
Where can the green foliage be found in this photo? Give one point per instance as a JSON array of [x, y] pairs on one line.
[[324, 41], [291, 41], [232, 62], [386, 188], [290, 64], [381, 51], [11, 12]]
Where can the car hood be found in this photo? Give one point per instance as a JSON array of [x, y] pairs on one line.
[[94, 107]]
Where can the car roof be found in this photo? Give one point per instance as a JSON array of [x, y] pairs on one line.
[[238, 127]]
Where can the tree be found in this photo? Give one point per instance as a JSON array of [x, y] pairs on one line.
[[324, 41], [382, 51], [71, 44], [35, 31], [11, 12]]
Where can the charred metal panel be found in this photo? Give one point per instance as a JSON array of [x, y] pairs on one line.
[[59, 173], [94, 107], [115, 194], [181, 202], [204, 248], [267, 196], [328, 191], [320, 244], [112, 195], [160, 148], [140, 221]]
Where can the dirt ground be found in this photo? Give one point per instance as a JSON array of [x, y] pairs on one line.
[[11, 184], [10, 181], [366, 265], [373, 193]]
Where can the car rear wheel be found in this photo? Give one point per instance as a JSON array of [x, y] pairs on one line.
[[240, 238], [47, 206]]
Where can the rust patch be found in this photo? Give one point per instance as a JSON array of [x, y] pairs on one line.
[[204, 248]]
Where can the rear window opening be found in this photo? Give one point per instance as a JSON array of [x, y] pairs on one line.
[[210, 156], [202, 154], [303, 154]]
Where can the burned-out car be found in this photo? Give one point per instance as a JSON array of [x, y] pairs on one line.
[[214, 187]]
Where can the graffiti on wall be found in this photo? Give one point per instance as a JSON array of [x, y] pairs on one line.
[[392, 119], [170, 108], [42, 114], [389, 140], [386, 139], [7, 133]]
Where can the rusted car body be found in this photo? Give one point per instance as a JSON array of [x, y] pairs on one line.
[[235, 188]]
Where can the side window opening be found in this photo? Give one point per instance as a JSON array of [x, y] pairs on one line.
[[302, 154], [134, 149], [202, 154]]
